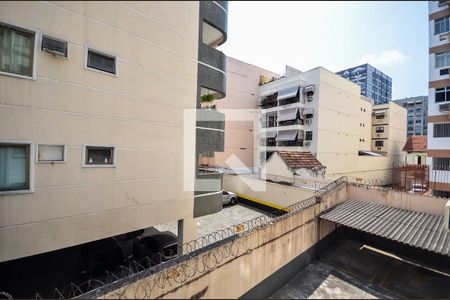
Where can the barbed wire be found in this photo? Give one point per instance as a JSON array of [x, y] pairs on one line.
[[203, 254]]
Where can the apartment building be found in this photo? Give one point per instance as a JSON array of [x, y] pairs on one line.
[[439, 97], [374, 84], [321, 112], [240, 108], [417, 108], [92, 133]]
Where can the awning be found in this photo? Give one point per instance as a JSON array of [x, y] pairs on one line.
[[379, 112], [286, 135], [268, 134], [309, 89], [416, 229], [287, 114], [287, 93]]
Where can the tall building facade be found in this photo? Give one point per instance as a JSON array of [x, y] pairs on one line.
[[374, 84], [417, 120], [320, 112], [439, 97], [92, 134]]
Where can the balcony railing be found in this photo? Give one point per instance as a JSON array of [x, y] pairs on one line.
[[296, 143], [290, 122], [288, 101], [269, 124]]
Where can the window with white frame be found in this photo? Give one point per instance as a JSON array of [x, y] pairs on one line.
[[16, 50], [442, 60], [379, 129], [442, 94], [98, 156], [441, 25], [101, 61], [50, 153], [14, 167]]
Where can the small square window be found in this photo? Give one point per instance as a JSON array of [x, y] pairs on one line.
[[100, 61], [99, 156], [308, 135], [379, 143], [379, 129], [50, 153]]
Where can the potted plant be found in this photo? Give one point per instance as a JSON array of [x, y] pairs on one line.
[[207, 99]]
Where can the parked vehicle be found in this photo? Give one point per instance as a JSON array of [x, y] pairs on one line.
[[229, 198], [156, 245]]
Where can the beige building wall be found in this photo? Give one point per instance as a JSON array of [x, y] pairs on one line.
[[139, 111], [242, 94]]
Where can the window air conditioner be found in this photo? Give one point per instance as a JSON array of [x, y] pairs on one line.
[[54, 46], [444, 107], [309, 98]]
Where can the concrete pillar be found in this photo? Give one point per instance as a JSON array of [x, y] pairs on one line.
[[187, 231]]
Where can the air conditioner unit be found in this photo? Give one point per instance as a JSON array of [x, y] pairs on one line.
[[54, 46], [308, 143], [309, 98], [308, 121], [444, 107]]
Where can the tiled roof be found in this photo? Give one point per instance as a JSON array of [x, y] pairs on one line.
[[299, 159], [416, 143], [416, 229]]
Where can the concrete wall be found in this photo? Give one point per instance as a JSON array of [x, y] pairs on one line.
[[414, 202], [274, 194], [256, 256], [242, 86], [139, 111], [275, 165]]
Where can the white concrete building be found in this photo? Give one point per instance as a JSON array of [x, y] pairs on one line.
[[321, 112], [439, 97]]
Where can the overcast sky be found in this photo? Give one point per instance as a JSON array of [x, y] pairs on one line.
[[391, 36]]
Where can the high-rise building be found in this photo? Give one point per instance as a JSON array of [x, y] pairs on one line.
[[417, 107], [320, 112], [374, 84], [92, 134], [439, 97]]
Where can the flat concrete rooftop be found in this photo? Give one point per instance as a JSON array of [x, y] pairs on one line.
[[352, 270]]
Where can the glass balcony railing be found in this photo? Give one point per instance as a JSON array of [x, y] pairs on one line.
[[296, 143], [291, 122]]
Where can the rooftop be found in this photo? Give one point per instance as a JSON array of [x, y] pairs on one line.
[[416, 143], [299, 159]]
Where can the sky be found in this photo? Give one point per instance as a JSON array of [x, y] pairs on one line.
[[390, 35]]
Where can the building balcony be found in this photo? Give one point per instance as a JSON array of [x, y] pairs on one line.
[[210, 130], [295, 143], [214, 18], [290, 122], [208, 192]]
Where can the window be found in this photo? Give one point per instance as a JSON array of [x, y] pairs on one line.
[[442, 60], [379, 143], [98, 156], [379, 129], [379, 117], [308, 136], [441, 130], [50, 153], [410, 122], [442, 94], [441, 25], [410, 128], [16, 50], [101, 61], [443, 72], [418, 121], [15, 167], [441, 163]]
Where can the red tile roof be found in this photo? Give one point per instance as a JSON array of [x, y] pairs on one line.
[[416, 143], [298, 159]]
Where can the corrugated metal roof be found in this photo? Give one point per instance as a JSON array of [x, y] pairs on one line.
[[416, 229]]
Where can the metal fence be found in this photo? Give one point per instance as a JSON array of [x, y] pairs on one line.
[[216, 246]]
